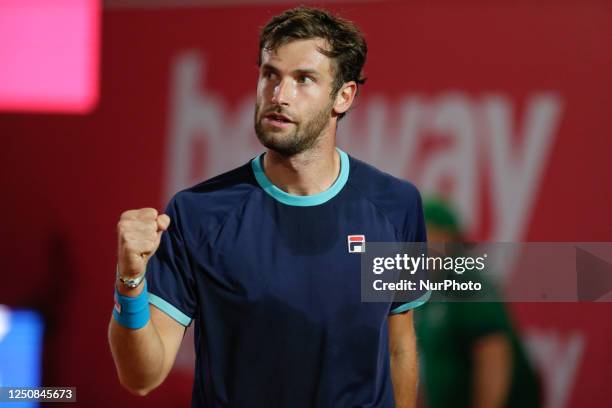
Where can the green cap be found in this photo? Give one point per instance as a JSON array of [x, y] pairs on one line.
[[440, 214]]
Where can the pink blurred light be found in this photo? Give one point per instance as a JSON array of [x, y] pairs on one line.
[[49, 53]]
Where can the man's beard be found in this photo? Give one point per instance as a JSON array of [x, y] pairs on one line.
[[303, 137]]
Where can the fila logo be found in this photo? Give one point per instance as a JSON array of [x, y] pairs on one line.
[[356, 243]]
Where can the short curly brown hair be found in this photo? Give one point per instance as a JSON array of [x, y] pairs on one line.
[[347, 46]]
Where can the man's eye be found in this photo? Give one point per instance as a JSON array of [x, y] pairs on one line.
[[269, 75], [303, 79]]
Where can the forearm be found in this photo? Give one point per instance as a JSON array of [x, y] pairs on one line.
[[144, 353], [138, 356], [404, 375], [492, 372]]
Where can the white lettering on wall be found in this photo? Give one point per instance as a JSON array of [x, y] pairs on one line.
[[557, 357], [472, 136]]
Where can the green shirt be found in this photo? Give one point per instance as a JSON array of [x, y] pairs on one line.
[[447, 333]]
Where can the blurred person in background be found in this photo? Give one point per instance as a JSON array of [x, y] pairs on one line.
[[470, 353]]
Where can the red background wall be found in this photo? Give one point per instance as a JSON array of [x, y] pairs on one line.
[[65, 179]]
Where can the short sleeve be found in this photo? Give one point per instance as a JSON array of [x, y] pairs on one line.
[[414, 228], [401, 307], [414, 232], [170, 279]]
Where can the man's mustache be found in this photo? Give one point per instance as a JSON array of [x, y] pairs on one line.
[[278, 110]]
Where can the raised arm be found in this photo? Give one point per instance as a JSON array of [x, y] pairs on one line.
[[143, 355]]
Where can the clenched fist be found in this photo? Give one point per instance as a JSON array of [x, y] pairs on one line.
[[139, 233]]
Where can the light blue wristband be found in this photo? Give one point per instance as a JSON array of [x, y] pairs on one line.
[[132, 312]]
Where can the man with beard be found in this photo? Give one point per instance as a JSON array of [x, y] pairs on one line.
[[266, 258]]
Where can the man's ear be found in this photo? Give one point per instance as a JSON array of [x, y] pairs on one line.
[[345, 97]]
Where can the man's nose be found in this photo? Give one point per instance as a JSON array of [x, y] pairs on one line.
[[282, 92]]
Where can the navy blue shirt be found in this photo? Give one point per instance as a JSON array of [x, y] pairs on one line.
[[274, 291]]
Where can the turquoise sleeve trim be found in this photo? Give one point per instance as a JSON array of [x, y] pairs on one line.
[[297, 200], [412, 305], [169, 309]]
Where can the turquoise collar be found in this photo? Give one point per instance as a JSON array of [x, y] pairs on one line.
[[297, 200]]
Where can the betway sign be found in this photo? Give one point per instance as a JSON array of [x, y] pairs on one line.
[[460, 144]]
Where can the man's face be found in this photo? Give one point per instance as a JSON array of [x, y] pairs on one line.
[[293, 104]]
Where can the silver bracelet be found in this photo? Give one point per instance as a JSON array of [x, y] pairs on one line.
[[130, 283]]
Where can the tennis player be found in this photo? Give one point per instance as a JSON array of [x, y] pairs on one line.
[[265, 259]]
